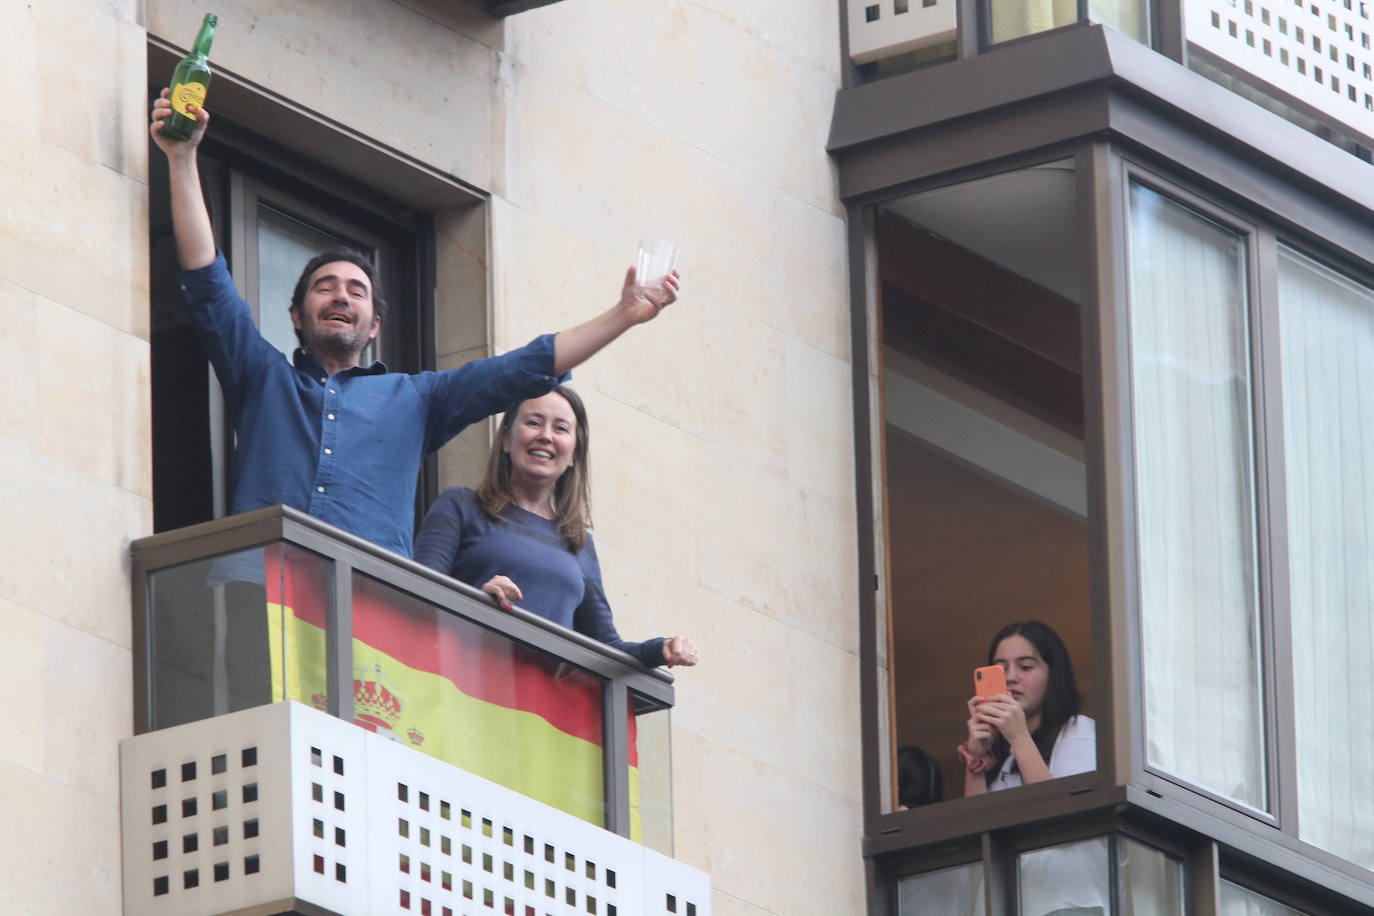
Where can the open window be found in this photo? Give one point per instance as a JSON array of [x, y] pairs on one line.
[[982, 392]]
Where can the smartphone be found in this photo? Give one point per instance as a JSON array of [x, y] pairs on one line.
[[989, 681]]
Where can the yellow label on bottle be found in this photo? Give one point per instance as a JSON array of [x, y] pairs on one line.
[[186, 95]]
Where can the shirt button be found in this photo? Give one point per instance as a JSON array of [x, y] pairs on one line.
[[329, 451], [323, 379], [332, 391], [319, 489], [331, 416]]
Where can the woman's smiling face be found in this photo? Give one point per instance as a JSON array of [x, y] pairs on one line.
[[1027, 675], [542, 440]]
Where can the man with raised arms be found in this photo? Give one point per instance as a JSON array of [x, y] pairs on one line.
[[321, 432]]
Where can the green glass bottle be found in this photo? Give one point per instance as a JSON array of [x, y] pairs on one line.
[[189, 83]]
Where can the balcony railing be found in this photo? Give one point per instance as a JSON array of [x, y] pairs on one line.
[[275, 605]]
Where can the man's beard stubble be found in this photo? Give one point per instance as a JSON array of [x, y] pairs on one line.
[[347, 345]]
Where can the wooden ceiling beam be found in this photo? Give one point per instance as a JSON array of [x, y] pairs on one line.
[[981, 292]]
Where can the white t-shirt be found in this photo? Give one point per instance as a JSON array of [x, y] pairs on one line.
[[1075, 751]]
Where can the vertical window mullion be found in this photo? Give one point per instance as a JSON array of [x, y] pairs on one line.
[[1106, 409], [1273, 531]]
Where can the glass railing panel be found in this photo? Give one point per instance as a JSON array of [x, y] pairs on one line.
[[230, 632], [510, 698], [472, 697], [651, 779]]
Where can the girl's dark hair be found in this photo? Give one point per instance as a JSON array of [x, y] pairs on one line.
[[1062, 700], [572, 494], [919, 781]]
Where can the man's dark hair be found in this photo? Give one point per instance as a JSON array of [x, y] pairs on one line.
[[352, 256]]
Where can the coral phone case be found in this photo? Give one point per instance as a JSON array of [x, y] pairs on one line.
[[989, 681]]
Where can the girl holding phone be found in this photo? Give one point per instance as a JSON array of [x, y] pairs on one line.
[[1033, 731]]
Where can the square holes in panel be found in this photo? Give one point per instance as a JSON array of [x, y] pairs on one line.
[[378, 828], [1276, 40], [457, 855], [329, 799], [191, 812]]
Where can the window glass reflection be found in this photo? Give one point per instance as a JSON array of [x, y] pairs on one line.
[[1239, 901], [1068, 880], [1130, 17], [233, 632], [285, 245], [1151, 882], [1016, 18], [1194, 475], [947, 892]]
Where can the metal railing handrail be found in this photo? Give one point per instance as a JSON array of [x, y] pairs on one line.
[[623, 676]]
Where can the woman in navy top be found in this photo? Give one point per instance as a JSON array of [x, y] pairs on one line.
[[522, 536]]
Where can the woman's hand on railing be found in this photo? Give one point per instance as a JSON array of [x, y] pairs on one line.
[[504, 591], [679, 650]]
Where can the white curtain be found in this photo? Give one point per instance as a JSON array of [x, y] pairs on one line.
[[1326, 326], [1195, 498], [1130, 17], [1014, 18], [948, 892], [1067, 879]]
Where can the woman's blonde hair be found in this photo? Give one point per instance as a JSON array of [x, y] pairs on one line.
[[572, 496]]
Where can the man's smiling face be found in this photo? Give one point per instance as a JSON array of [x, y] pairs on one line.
[[336, 315]]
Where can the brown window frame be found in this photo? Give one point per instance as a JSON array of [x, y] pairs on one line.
[[1175, 126]]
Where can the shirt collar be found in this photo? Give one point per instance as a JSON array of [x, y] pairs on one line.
[[304, 360]]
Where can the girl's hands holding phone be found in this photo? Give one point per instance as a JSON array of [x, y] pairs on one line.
[[1003, 714], [980, 733], [976, 752]]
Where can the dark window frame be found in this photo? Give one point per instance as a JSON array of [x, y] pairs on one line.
[[888, 148], [1265, 235], [1079, 792], [1261, 416], [1205, 864]]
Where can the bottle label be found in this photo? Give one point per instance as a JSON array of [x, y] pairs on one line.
[[184, 95]]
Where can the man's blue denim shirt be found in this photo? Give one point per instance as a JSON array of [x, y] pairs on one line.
[[345, 448]]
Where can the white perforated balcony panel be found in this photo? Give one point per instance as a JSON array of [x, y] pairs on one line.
[[884, 28], [264, 817], [1317, 51], [354, 824]]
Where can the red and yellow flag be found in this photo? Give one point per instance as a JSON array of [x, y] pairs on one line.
[[448, 687]]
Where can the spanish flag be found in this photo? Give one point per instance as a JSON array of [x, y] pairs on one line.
[[447, 687]]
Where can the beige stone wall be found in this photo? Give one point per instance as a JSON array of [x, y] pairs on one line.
[[723, 469], [74, 439], [723, 476]]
